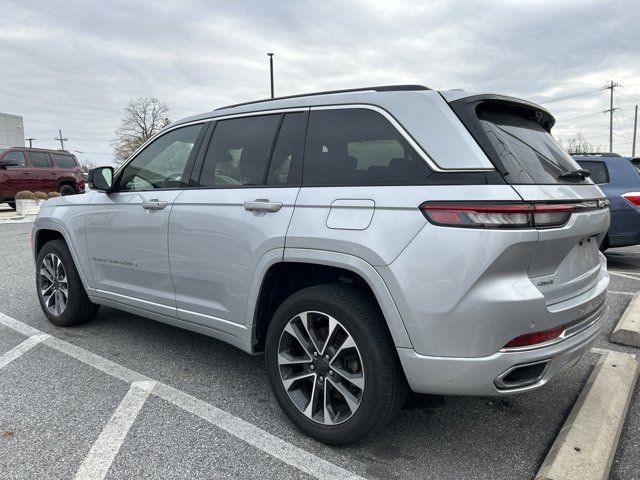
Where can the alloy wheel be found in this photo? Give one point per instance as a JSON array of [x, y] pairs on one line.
[[54, 289], [321, 368]]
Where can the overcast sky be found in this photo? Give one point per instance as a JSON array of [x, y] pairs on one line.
[[75, 64]]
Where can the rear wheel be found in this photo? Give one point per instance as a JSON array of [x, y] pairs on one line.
[[60, 290], [66, 190], [332, 365]]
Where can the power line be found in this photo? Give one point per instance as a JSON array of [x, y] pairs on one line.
[[637, 97], [582, 116], [30, 140], [567, 97]]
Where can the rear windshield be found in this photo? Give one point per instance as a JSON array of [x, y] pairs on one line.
[[599, 171], [527, 151]]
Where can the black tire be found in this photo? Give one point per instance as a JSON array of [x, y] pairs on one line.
[[385, 385], [605, 243], [79, 309], [66, 190], [12, 205]]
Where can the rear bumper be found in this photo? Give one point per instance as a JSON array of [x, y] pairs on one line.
[[478, 376]]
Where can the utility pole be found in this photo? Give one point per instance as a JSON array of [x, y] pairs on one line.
[[635, 129], [610, 86], [30, 140], [61, 139], [271, 71]]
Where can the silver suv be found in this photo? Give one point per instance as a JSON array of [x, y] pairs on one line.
[[367, 241]]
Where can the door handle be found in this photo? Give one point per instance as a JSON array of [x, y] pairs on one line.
[[261, 205], [154, 205]]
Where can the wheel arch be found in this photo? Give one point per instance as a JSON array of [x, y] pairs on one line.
[[287, 273], [67, 181], [47, 231]]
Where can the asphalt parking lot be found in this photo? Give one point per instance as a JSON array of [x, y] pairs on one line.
[[202, 409]]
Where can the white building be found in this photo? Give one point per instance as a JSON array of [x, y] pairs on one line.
[[11, 131]]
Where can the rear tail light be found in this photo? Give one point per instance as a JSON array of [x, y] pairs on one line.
[[505, 215], [632, 197], [535, 338]]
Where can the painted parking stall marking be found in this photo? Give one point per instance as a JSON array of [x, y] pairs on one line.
[[24, 347], [97, 463], [630, 275]]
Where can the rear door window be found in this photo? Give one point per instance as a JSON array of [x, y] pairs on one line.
[[17, 157], [599, 171], [636, 163], [239, 152], [358, 146], [286, 162], [39, 160], [64, 161]]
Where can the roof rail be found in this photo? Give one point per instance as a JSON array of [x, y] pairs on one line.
[[597, 154], [383, 88]]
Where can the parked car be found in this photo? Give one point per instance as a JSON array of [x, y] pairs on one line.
[[367, 241], [619, 179], [37, 169]]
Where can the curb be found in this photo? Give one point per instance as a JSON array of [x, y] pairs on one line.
[[586, 444], [627, 332]]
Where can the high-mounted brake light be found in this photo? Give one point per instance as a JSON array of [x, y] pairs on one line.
[[632, 197], [535, 338], [505, 215]]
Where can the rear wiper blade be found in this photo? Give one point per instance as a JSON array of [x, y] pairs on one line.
[[581, 174]]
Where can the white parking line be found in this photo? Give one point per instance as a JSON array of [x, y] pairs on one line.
[[294, 456], [18, 350], [614, 292], [624, 275], [274, 446], [99, 459]]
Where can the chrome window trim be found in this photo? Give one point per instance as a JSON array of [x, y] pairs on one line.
[[203, 121], [427, 159]]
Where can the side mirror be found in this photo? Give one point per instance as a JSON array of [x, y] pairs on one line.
[[9, 163], [101, 179]]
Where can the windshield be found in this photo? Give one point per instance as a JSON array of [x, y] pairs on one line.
[[528, 152]]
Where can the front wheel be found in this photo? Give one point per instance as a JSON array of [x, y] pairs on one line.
[[332, 365], [60, 290], [67, 190]]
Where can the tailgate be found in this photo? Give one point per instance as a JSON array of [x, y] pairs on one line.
[[567, 260], [516, 136]]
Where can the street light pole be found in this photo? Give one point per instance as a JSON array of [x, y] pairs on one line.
[[271, 71]]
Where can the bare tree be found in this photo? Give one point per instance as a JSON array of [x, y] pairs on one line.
[[143, 118], [87, 165], [578, 144]]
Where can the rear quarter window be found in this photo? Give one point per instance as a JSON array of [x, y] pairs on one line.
[[599, 171], [64, 161]]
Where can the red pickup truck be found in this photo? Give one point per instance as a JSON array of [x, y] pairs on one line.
[[37, 169]]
